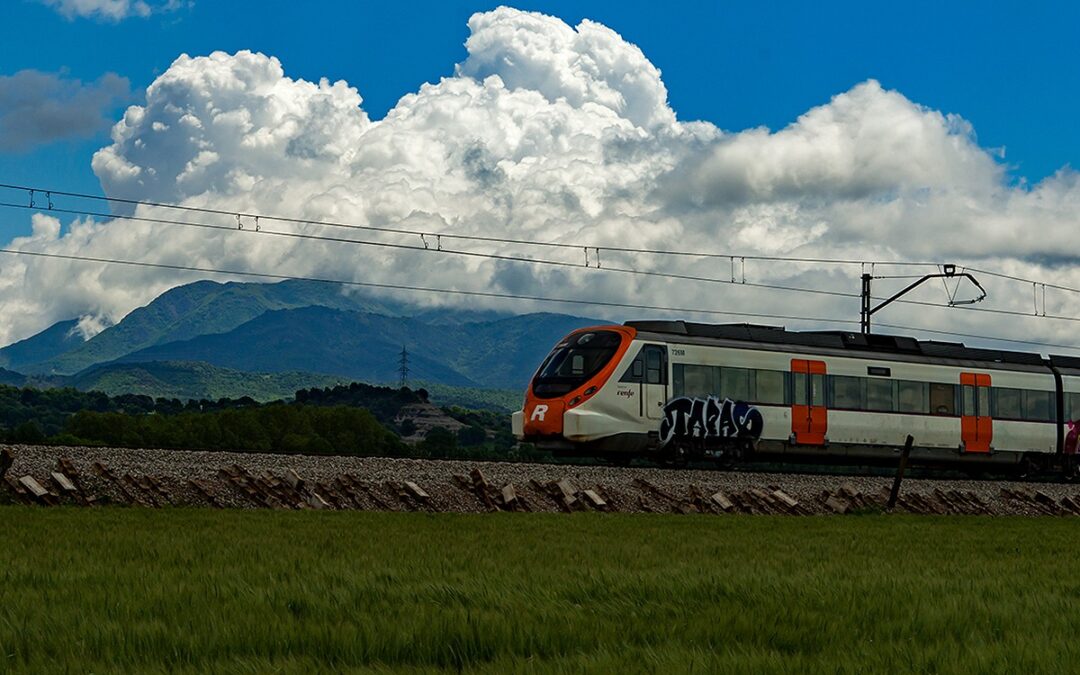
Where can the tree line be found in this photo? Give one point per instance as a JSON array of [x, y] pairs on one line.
[[356, 419]]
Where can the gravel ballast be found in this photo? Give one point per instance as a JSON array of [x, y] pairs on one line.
[[190, 478]]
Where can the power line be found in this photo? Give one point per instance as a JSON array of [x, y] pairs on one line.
[[684, 277], [509, 296], [533, 261], [256, 217], [508, 258], [420, 289]]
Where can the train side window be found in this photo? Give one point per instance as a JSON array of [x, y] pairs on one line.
[[942, 399], [678, 379], [967, 400], [654, 365], [698, 381], [912, 397], [770, 386], [847, 392], [1072, 405], [982, 394], [800, 390], [879, 395], [636, 371], [817, 389], [1006, 404], [735, 383], [1037, 406]]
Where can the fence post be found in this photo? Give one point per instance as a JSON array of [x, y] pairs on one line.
[[900, 472]]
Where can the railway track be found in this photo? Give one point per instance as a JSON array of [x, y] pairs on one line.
[[164, 478]]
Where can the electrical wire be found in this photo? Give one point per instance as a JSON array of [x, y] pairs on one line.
[[532, 261], [518, 259], [421, 289], [450, 235], [508, 296]]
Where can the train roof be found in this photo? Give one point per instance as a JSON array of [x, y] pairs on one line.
[[844, 340]]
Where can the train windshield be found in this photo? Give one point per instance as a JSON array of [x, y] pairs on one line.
[[574, 361]]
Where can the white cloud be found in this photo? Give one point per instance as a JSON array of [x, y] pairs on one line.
[[112, 10], [552, 133]]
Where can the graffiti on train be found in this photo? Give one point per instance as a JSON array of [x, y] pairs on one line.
[[709, 418]]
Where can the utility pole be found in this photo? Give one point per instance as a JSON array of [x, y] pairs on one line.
[[948, 272], [403, 366]]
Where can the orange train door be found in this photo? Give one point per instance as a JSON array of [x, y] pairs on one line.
[[976, 425], [809, 416]]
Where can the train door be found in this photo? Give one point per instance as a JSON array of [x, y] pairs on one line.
[[809, 416], [976, 425], [655, 381]]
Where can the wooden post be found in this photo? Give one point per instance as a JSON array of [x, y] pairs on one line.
[[895, 492], [6, 460]]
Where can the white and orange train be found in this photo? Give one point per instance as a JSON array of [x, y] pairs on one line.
[[674, 389]]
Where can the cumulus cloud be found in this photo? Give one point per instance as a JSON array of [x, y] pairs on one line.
[[37, 107], [554, 133], [112, 10]]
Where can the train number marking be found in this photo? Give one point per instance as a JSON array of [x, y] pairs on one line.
[[538, 413], [678, 352]]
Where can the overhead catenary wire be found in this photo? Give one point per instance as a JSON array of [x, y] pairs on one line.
[[451, 235], [406, 287], [438, 236], [410, 247], [256, 217], [508, 296], [524, 260]]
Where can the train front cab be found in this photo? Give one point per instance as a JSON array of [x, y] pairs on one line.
[[597, 392]]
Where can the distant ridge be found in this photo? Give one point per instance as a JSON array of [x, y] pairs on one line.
[[294, 331]]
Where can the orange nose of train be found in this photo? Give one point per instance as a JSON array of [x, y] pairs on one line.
[[543, 417], [574, 371]]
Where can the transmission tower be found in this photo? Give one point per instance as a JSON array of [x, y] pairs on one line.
[[403, 366]]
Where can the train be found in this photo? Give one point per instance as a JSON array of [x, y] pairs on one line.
[[676, 391]]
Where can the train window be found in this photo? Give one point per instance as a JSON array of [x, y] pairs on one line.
[[1007, 404], [800, 389], [654, 364], [1072, 405], [636, 371], [942, 399], [879, 395], [697, 381], [574, 361], [983, 403], [912, 397], [735, 383], [770, 386], [1037, 406], [817, 389], [967, 400], [847, 392]]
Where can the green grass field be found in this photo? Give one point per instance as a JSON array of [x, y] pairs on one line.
[[132, 590]]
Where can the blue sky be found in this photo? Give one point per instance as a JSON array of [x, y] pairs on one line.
[[556, 134], [1008, 68]]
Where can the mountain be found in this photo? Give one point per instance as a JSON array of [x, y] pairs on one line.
[[209, 339], [360, 345], [11, 378], [53, 341], [185, 312]]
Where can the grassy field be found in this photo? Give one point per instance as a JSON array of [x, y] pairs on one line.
[[132, 590]]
